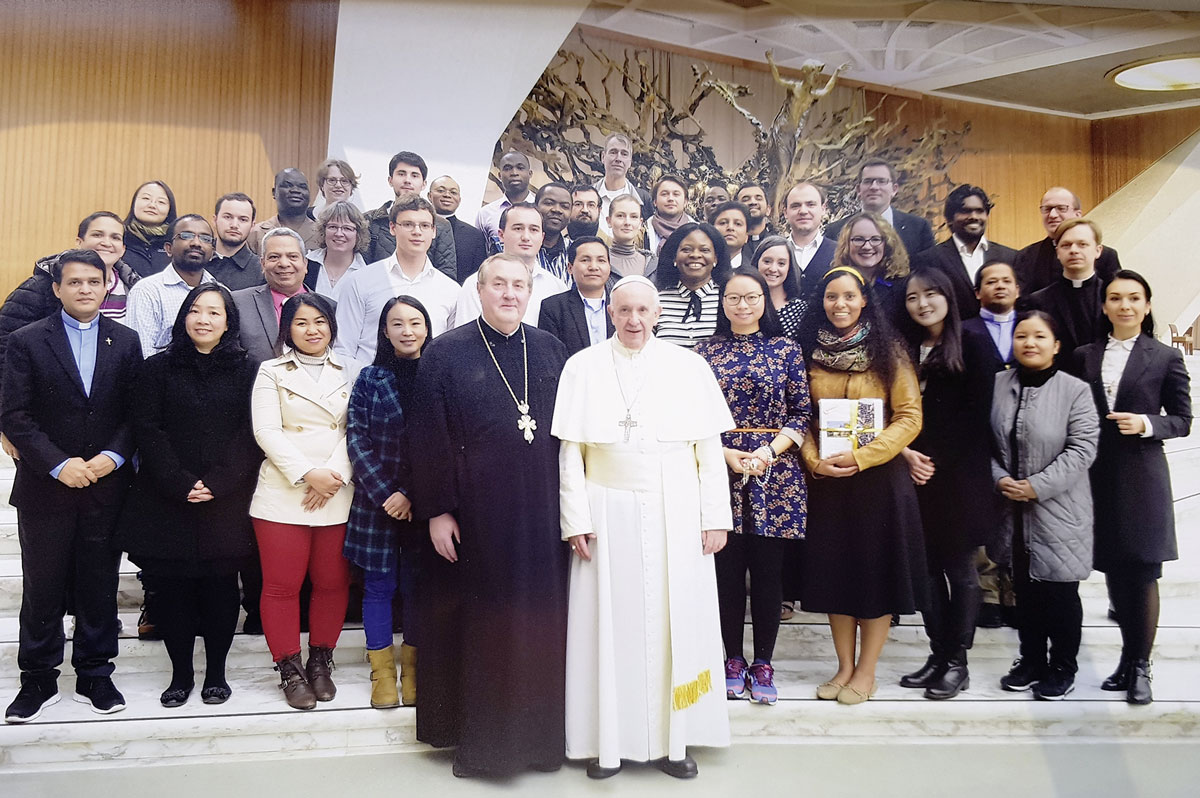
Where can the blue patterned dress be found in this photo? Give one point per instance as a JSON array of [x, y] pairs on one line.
[[766, 386]]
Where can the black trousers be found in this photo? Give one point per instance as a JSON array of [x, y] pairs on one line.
[[190, 607], [1049, 616], [954, 596], [67, 554], [763, 557]]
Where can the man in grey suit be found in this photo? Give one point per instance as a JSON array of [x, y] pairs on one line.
[[877, 185], [284, 264]]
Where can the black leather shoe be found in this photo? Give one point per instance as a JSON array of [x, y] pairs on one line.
[[1139, 683], [1118, 680], [953, 682], [318, 670], [929, 673], [679, 768], [595, 771]]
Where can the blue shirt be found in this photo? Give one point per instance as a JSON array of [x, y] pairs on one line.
[[83, 337], [593, 311], [1000, 327]]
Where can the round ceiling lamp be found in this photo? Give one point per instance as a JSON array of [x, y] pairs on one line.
[[1165, 73]]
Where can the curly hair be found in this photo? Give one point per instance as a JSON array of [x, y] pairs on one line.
[[883, 344], [345, 212], [895, 256]]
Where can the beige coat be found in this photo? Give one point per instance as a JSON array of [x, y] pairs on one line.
[[300, 425]]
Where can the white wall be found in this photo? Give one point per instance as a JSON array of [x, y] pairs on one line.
[[441, 78]]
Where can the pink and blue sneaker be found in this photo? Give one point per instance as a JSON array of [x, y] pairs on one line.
[[735, 678], [760, 677]]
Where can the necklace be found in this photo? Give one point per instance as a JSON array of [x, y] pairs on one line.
[[628, 423], [525, 423]]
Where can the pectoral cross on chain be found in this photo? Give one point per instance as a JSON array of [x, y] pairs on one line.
[[628, 424], [526, 424]]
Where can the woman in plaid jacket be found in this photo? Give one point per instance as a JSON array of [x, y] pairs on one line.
[[381, 537]]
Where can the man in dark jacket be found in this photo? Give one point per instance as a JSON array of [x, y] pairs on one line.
[[470, 247], [407, 173], [1037, 265], [877, 186]]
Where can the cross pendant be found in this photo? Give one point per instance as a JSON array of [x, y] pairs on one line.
[[628, 423], [527, 425]]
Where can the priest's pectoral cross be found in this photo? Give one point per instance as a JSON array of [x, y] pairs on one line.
[[628, 424], [526, 424]]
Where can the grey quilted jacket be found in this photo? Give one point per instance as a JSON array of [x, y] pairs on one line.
[[1058, 431]]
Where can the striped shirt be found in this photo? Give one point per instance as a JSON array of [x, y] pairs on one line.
[[677, 324]]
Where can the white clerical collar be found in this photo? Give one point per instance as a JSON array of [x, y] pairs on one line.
[[1078, 283], [999, 318]]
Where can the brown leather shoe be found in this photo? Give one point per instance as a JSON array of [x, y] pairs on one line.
[[294, 683], [320, 664]]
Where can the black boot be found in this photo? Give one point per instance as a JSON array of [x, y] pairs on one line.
[[954, 679], [1118, 681], [1139, 682], [320, 666], [929, 673]]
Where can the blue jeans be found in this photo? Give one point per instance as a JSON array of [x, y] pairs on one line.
[[379, 588]]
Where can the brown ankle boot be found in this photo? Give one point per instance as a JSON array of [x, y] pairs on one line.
[[408, 674], [294, 683], [320, 664], [383, 678]]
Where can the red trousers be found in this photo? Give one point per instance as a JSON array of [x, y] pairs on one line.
[[289, 552]]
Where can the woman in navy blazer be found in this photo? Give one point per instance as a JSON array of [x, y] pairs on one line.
[[1142, 392], [381, 537]]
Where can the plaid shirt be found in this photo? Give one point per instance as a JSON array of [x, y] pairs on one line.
[[375, 441]]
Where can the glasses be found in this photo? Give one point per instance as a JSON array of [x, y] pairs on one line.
[[1062, 209], [750, 299], [188, 235], [424, 227], [341, 228], [875, 181], [338, 181], [859, 241]]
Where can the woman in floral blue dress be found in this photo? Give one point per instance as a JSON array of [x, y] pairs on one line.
[[761, 372]]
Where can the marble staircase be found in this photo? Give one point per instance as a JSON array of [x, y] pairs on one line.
[[257, 724]]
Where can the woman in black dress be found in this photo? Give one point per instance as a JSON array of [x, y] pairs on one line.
[[186, 522], [1142, 394], [950, 461]]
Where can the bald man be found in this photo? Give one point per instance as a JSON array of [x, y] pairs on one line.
[[1037, 265], [470, 246]]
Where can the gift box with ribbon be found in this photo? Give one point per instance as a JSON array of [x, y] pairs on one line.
[[847, 424]]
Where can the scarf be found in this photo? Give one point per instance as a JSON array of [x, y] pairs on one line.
[[151, 234], [664, 228], [847, 352]]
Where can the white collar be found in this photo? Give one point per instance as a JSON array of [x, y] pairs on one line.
[[962, 248], [999, 318]]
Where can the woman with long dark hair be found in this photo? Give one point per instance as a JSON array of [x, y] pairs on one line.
[[151, 212], [186, 522], [864, 558], [762, 374], [950, 462], [692, 265], [1044, 434], [776, 263], [299, 407], [381, 536], [1143, 397]]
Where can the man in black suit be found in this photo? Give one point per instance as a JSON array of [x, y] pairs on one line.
[[1037, 265], [579, 316], [66, 410], [804, 208], [964, 253], [470, 247], [997, 290], [1075, 300], [877, 186], [285, 267]]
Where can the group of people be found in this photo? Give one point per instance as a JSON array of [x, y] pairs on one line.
[[563, 435]]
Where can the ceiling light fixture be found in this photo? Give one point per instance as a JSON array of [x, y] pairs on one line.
[[1165, 73]]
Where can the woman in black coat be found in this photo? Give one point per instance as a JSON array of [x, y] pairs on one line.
[[1134, 380], [186, 522], [151, 212], [950, 461]]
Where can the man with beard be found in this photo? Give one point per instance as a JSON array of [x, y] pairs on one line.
[[155, 300], [964, 253], [291, 202], [754, 197], [235, 265], [585, 212], [406, 174], [494, 581], [617, 158], [1037, 265], [515, 174], [670, 211], [877, 186], [553, 202], [470, 247]]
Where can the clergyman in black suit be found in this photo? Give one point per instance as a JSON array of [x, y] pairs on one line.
[[470, 246], [1143, 396], [804, 208], [579, 316], [877, 186], [66, 410], [1075, 300], [997, 289], [964, 253], [1037, 264]]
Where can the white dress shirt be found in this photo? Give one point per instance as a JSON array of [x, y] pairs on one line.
[[804, 254], [324, 286], [972, 261], [1112, 367], [153, 304], [468, 307]]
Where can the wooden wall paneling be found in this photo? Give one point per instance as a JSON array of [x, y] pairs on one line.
[[1123, 147]]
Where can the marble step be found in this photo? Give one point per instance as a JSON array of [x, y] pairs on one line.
[[256, 723], [129, 589]]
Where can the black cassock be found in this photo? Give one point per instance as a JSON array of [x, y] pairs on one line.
[[494, 624]]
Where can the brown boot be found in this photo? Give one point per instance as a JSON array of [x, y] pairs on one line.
[[294, 683], [408, 674], [383, 678], [320, 664]]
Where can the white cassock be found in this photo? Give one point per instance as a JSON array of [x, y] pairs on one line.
[[644, 654]]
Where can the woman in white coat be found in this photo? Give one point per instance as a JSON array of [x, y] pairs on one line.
[[304, 492]]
